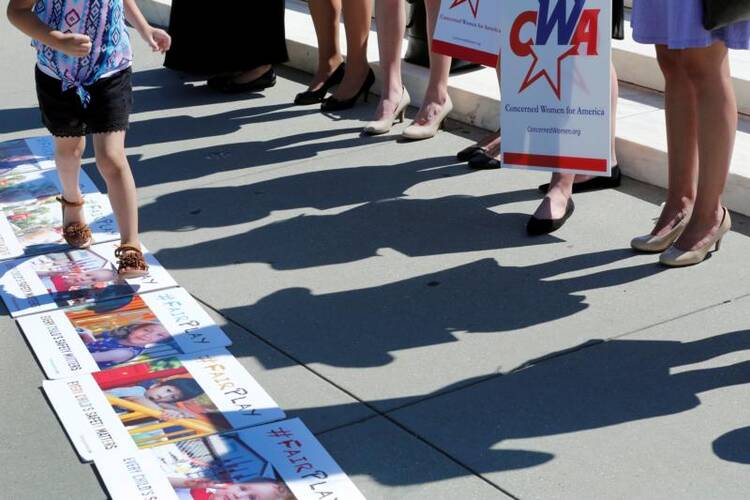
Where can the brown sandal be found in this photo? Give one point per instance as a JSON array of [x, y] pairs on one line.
[[131, 263], [76, 234]]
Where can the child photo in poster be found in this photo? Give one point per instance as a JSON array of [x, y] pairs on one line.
[[78, 277], [127, 334], [218, 468], [159, 402]]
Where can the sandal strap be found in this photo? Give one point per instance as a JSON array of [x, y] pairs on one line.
[[67, 203], [119, 251]]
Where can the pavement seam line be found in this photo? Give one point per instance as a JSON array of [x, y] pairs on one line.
[[376, 411]]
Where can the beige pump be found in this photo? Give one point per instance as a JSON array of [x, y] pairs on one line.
[[384, 126], [674, 257]]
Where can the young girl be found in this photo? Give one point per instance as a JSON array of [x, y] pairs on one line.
[[83, 85], [123, 343], [701, 112]]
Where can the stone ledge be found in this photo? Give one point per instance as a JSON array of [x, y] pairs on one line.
[[641, 135]]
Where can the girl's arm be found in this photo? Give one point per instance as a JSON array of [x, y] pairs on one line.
[[157, 39], [22, 16]]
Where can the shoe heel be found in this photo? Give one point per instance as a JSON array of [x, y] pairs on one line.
[[402, 116], [718, 245]]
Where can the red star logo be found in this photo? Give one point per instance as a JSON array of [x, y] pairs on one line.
[[533, 76], [474, 4]]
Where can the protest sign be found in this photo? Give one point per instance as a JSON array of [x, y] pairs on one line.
[[556, 85], [73, 278], [120, 332], [469, 30], [159, 402], [279, 461]]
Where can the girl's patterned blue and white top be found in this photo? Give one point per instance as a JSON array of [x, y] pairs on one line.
[[104, 23]]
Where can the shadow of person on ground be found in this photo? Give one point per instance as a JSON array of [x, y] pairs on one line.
[[364, 327], [734, 446], [615, 382]]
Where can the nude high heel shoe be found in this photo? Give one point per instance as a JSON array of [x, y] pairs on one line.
[[384, 126], [649, 243], [674, 257], [416, 132]]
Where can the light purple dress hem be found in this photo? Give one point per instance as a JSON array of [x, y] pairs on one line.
[[678, 24]]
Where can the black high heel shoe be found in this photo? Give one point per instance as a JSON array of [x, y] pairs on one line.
[[316, 96], [333, 104]]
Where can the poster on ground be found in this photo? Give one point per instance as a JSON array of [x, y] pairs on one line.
[[120, 332], [31, 221], [556, 85], [159, 402], [73, 278], [24, 155], [469, 30], [279, 461]]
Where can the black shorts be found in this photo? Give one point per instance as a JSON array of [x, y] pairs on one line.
[[64, 115]]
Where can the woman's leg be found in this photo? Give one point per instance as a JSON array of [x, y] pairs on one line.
[[436, 95], [708, 71], [326, 15], [357, 17], [391, 18], [113, 165], [68, 152], [682, 139]]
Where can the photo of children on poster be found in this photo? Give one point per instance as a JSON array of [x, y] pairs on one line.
[[72, 278], [120, 332], [159, 402], [32, 222], [279, 461]]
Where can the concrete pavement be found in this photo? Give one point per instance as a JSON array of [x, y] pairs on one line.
[[390, 298]]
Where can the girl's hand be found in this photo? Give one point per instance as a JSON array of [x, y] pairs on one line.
[[158, 39], [72, 44]]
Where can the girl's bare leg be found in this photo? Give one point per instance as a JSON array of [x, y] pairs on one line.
[[391, 18], [357, 18], [68, 153], [708, 71], [113, 165], [326, 15]]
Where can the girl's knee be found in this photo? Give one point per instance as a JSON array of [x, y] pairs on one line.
[[70, 149], [111, 162]]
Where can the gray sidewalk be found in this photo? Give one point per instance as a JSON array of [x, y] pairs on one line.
[[390, 297]]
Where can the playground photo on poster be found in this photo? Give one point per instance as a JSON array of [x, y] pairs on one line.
[[32, 216], [72, 278], [279, 461], [159, 402], [120, 332], [36, 153]]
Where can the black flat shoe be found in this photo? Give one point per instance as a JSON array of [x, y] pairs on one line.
[[594, 184], [483, 160], [229, 86], [333, 104], [538, 227], [315, 96], [466, 153]]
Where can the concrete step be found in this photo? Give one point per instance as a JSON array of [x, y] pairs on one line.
[[641, 134]]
